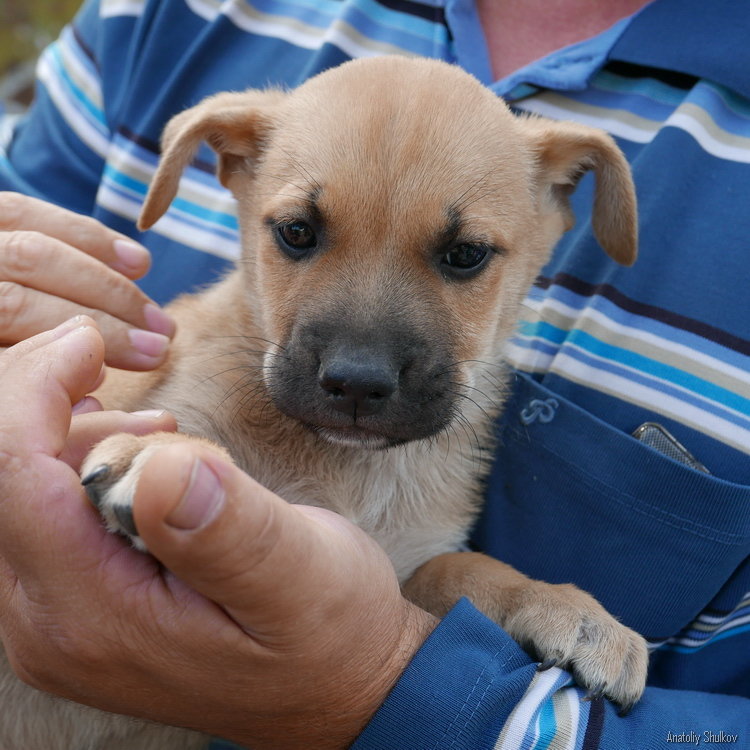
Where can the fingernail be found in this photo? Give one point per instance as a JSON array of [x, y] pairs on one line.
[[147, 342], [68, 326], [86, 405], [158, 321], [201, 502], [130, 255], [149, 413]]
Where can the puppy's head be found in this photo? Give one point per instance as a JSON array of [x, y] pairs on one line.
[[393, 214]]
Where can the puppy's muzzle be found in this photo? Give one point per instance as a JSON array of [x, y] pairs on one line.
[[358, 383]]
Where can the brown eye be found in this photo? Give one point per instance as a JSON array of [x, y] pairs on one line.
[[297, 238], [465, 260]]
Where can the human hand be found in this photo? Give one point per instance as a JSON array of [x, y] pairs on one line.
[[280, 626], [55, 264]]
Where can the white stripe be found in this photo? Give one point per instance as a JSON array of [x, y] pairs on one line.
[[209, 197], [81, 76], [678, 119], [706, 140], [650, 398], [169, 226], [109, 8], [577, 320], [295, 31], [88, 134], [526, 709], [573, 699], [717, 619], [730, 625], [611, 124]]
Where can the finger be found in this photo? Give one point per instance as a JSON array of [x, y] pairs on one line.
[[40, 379], [86, 405], [38, 261], [265, 561], [25, 312], [88, 429], [20, 212]]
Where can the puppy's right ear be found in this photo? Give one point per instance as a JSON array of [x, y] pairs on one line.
[[235, 125]]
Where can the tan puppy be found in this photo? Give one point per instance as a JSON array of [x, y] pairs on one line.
[[393, 215]]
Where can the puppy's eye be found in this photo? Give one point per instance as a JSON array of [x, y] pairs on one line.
[[465, 260], [297, 238]]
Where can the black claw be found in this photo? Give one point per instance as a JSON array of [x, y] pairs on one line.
[[594, 694], [124, 514], [547, 664], [625, 710], [91, 483], [96, 475]]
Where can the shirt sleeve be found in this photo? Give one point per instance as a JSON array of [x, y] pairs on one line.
[[472, 687], [56, 151]]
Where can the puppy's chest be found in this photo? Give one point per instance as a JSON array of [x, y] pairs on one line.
[[417, 500], [416, 505]]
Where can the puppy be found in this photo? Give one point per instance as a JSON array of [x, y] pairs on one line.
[[393, 215]]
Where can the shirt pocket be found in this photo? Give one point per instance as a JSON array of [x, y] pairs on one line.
[[571, 499]]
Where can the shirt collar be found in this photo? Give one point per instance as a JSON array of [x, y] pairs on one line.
[[708, 40], [705, 40]]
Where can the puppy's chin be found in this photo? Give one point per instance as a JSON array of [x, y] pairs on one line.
[[355, 438]]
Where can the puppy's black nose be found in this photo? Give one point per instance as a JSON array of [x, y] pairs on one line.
[[358, 386]]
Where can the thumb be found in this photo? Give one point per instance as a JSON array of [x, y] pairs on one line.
[[276, 568]]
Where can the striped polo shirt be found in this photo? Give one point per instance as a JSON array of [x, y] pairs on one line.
[[600, 350]]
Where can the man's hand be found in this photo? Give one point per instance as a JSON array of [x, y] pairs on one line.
[[279, 626], [55, 264]]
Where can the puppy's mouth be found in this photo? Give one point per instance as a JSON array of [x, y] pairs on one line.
[[355, 436]]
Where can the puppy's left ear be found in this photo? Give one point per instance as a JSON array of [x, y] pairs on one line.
[[235, 125], [565, 151]]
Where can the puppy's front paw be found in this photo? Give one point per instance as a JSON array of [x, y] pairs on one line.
[[566, 627], [110, 474], [111, 471]]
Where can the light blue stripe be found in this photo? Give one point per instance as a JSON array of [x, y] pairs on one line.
[[531, 733], [212, 218], [641, 323], [547, 725], [644, 87], [691, 632], [660, 370], [692, 649], [95, 115], [196, 223], [209, 179], [374, 20], [709, 98], [633, 102], [537, 345], [375, 27], [68, 38], [662, 387], [182, 218]]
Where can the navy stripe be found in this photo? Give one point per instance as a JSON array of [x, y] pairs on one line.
[[150, 145], [84, 47], [411, 8], [595, 726], [672, 78], [691, 325]]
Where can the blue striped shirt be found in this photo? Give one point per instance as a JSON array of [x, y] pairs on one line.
[[599, 351]]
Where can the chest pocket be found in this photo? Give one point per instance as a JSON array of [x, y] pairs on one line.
[[571, 499]]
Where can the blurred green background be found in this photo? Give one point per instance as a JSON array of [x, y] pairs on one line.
[[26, 26]]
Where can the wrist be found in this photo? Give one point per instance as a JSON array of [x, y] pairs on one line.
[[385, 670], [352, 691]]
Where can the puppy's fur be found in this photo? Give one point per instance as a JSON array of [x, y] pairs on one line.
[[363, 372]]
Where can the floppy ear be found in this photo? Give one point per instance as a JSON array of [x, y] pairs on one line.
[[565, 152], [235, 125]]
